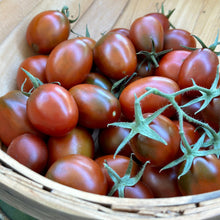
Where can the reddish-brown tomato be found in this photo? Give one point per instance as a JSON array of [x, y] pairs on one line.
[[46, 30], [29, 150], [36, 65]]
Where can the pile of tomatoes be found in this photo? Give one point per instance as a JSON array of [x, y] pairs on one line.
[[58, 121]]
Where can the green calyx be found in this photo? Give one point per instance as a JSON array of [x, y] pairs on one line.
[[119, 85], [170, 12], [212, 47], [35, 81], [201, 148], [121, 182], [65, 11], [140, 125], [153, 56]]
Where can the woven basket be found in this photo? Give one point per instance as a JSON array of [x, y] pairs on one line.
[[45, 199]]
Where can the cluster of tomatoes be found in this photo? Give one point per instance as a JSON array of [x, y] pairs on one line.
[[58, 121]]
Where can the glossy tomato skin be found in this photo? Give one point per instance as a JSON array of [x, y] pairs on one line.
[[77, 141], [110, 138], [79, 172], [151, 102], [161, 18], [115, 55], [139, 190], [176, 38], [88, 40], [30, 150], [97, 106], [170, 64], [123, 31], [13, 117], [163, 184], [52, 110], [119, 164], [203, 176], [145, 29], [36, 65], [46, 30], [200, 65], [69, 63], [159, 154], [99, 80], [211, 113]]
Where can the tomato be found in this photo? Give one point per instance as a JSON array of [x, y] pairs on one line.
[[88, 40], [159, 154], [161, 18], [203, 176], [110, 138], [13, 117], [163, 184], [99, 80], [36, 65], [77, 141], [211, 113], [30, 150], [151, 102], [52, 110], [69, 63], [123, 31], [176, 38], [119, 164], [115, 55], [97, 106], [79, 172], [170, 64], [201, 66], [46, 30], [139, 190], [145, 29]]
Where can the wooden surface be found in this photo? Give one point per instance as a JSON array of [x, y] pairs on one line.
[[201, 17], [49, 200]]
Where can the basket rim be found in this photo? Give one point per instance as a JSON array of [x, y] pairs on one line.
[[95, 198]]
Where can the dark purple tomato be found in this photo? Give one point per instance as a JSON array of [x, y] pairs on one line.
[[13, 117], [30, 150], [110, 138], [99, 80], [144, 30], [163, 184], [203, 176], [97, 106]]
